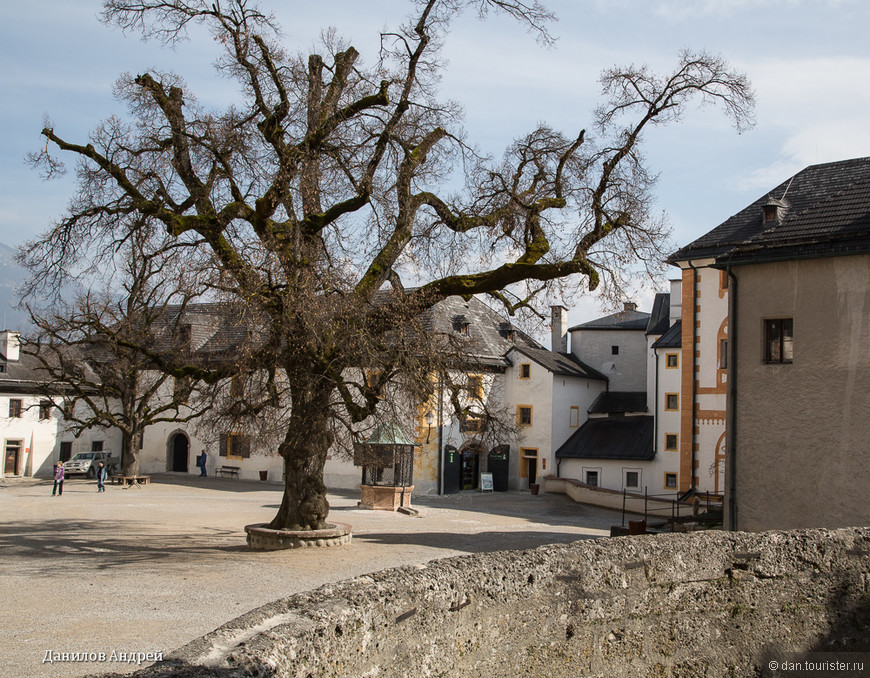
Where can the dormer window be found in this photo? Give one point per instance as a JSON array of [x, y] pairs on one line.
[[772, 211], [506, 331], [460, 324]]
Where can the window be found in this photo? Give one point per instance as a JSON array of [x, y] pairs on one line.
[[631, 479], [672, 402], [723, 280], [778, 340], [525, 371], [723, 354], [460, 324], [471, 423], [614, 350], [671, 441], [235, 446], [96, 446], [237, 387], [44, 410], [14, 408], [181, 390], [524, 415], [2, 368], [66, 451], [671, 480], [672, 360], [574, 416], [592, 478], [474, 386]]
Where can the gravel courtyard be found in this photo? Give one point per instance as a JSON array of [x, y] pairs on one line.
[[148, 570]]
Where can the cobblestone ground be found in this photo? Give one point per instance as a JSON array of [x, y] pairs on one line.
[[148, 570]]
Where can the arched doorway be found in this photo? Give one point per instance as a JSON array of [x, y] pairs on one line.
[[178, 452]]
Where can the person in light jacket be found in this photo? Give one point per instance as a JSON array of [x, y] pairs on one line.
[[58, 479], [102, 473]]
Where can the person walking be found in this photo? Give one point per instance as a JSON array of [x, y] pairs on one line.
[[202, 459], [58, 479], [102, 473]]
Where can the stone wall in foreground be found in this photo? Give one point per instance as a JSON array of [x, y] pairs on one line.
[[701, 604]]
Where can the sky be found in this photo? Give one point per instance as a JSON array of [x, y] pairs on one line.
[[808, 61]]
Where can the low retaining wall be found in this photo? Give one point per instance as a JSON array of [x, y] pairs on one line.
[[701, 604], [582, 493]]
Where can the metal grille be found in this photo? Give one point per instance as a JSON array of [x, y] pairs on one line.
[[393, 470]]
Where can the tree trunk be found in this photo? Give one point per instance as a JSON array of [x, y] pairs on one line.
[[130, 462], [304, 505]]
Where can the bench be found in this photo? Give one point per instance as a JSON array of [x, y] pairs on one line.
[[129, 481], [224, 471]]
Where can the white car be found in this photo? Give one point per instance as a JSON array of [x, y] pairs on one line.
[[86, 463]]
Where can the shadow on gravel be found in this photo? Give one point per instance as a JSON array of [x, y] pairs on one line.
[[54, 546]]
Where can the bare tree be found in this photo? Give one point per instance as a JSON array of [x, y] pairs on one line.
[[315, 196], [98, 353]]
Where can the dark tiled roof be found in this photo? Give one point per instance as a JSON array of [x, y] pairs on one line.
[[672, 338], [611, 438], [623, 320], [839, 224], [619, 401], [659, 319], [561, 363], [490, 335], [21, 376], [802, 192]]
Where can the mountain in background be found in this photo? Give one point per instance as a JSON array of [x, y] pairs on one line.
[[11, 277]]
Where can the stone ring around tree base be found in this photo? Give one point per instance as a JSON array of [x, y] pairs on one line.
[[263, 538]]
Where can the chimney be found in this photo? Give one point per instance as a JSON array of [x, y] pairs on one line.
[[10, 343], [629, 306], [559, 329]]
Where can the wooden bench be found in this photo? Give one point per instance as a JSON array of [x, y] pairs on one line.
[[224, 471], [129, 481]]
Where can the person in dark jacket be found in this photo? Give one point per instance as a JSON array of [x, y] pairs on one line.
[[58, 479], [202, 459], [102, 473]]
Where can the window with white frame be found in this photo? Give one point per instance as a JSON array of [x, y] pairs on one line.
[[631, 478], [574, 416], [592, 476]]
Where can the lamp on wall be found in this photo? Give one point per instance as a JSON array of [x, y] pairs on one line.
[[429, 417]]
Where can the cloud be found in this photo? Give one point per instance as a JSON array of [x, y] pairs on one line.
[[684, 10], [815, 107]]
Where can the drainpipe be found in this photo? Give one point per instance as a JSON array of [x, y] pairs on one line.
[[694, 364], [731, 421], [440, 433], [656, 404]]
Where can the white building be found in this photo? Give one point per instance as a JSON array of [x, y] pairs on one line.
[[32, 431]]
